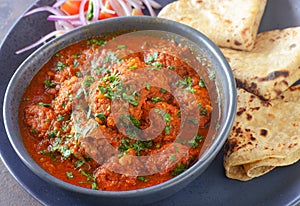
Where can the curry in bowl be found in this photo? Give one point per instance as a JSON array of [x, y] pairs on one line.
[[117, 112]]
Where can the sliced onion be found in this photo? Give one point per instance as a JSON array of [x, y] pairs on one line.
[[62, 17], [64, 22], [82, 12], [45, 8], [42, 40]]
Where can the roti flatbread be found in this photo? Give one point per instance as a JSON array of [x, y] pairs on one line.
[[272, 66], [264, 135], [228, 23]]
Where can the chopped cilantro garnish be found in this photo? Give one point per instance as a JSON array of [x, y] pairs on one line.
[[202, 83], [96, 41], [186, 84], [122, 46], [168, 129], [138, 145], [130, 99], [178, 170], [49, 83], [172, 157], [152, 58], [52, 134], [156, 99], [203, 112], [162, 90], [132, 67], [94, 186], [135, 121], [101, 116], [78, 74], [171, 67], [148, 87], [79, 163], [60, 66], [88, 80], [60, 117], [69, 175], [143, 179], [44, 104]]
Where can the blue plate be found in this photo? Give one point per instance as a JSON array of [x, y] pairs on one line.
[[279, 187]]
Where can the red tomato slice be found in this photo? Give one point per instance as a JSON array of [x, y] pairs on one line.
[[105, 15], [72, 7]]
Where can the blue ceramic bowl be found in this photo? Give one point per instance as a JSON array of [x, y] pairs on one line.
[[222, 91]]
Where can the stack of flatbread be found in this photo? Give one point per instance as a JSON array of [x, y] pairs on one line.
[[266, 131]]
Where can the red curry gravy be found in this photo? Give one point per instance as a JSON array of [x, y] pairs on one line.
[[89, 73]]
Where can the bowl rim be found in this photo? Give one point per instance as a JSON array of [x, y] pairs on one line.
[[205, 158]]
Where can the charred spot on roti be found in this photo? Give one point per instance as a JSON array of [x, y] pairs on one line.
[[249, 116], [292, 145], [255, 108], [292, 46], [245, 30], [228, 40], [277, 91], [185, 19], [228, 21], [241, 111], [252, 138], [238, 130], [199, 1], [253, 85], [231, 144], [252, 97], [271, 40], [263, 132], [285, 82], [247, 130], [275, 75], [271, 115], [237, 43]]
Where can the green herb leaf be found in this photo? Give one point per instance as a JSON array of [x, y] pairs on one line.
[[202, 83], [152, 58], [132, 67], [44, 104], [79, 163], [148, 87], [69, 175], [143, 179], [168, 129], [49, 83], [122, 46], [156, 99], [135, 121], [178, 170], [60, 66], [88, 80], [172, 157], [203, 112], [101, 116], [130, 99], [60, 117], [162, 90], [171, 67], [94, 186]]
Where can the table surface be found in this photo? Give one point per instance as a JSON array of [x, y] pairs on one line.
[[11, 193]]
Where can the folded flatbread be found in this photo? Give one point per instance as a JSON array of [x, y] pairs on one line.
[[228, 23], [264, 135], [272, 66]]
